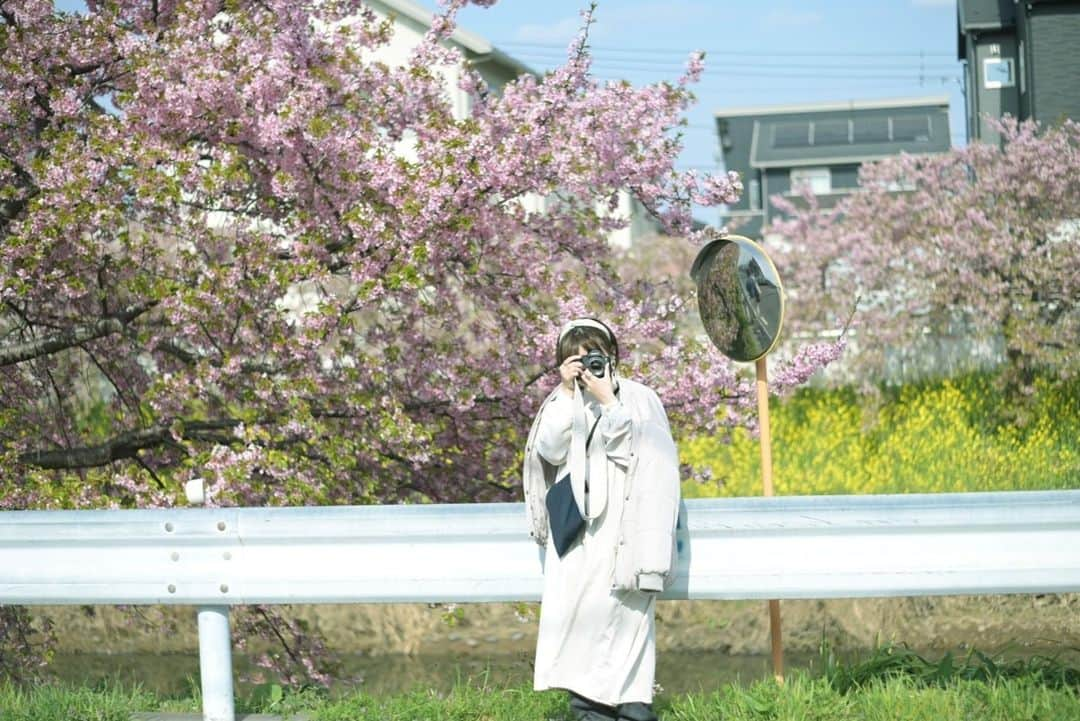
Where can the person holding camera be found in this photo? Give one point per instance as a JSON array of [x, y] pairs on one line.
[[601, 482]]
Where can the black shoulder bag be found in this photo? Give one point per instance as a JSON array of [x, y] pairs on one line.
[[565, 517]]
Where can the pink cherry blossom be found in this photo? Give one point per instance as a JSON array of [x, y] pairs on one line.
[[219, 262], [981, 242]]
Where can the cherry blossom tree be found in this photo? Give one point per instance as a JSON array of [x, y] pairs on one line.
[[983, 241], [237, 246]]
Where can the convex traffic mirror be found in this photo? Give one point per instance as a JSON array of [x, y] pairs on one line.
[[740, 298], [741, 303]]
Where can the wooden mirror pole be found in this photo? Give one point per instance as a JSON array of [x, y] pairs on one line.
[[766, 477]]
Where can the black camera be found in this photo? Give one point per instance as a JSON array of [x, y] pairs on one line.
[[595, 362]]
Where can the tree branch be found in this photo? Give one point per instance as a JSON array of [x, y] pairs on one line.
[[14, 353], [126, 445], [129, 444], [171, 347], [148, 469]]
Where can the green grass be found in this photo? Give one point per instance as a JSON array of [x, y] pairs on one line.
[[894, 684], [53, 703], [899, 699], [896, 661]]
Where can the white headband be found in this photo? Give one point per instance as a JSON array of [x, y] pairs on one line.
[[584, 322]]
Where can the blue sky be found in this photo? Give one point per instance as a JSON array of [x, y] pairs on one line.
[[758, 52]]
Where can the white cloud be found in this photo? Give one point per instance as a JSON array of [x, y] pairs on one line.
[[792, 19], [561, 31], [666, 15], [621, 21]]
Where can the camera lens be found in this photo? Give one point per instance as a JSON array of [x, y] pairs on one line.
[[596, 362]]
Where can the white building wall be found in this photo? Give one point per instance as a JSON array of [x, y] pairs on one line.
[[409, 30]]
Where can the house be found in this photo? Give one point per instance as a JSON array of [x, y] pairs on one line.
[[782, 149], [1020, 59], [412, 20]]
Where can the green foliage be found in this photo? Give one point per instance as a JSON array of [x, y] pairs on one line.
[[897, 661], [453, 614], [273, 698], [59, 703], [952, 435]]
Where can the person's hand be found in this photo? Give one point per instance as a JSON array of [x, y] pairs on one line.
[[570, 370], [601, 388]]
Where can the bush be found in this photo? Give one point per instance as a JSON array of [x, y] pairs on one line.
[[896, 661], [952, 435]]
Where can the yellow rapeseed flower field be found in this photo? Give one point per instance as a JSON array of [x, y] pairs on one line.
[[950, 436]]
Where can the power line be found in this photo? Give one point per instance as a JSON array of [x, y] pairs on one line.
[[914, 77], [909, 73], [743, 53], [714, 88], [535, 56], [767, 83]]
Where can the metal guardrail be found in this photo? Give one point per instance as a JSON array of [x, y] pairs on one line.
[[739, 548]]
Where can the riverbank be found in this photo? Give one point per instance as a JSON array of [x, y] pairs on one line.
[[733, 627]]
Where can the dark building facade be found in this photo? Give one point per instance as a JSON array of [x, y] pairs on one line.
[[1021, 59], [779, 149]]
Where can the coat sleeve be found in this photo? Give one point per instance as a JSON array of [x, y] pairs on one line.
[[553, 432], [537, 475], [657, 486]]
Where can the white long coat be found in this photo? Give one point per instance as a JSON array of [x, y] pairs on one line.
[[597, 633]]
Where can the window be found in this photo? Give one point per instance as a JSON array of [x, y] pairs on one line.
[[898, 184], [871, 130], [819, 180], [911, 128], [791, 135], [832, 132], [998, 73], [755, 194]]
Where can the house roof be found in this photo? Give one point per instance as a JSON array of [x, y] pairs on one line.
[[845, 133], [478, 47], [985, 14], [834, 106]]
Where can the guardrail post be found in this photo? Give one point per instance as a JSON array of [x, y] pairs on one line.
[[215, 663], [215, 642]]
